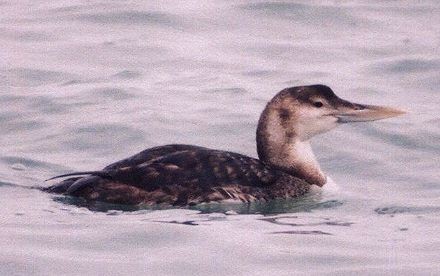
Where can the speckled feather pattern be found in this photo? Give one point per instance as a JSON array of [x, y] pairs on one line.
[[184, 175]]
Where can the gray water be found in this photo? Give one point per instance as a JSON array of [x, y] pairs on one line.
[[85, 83]]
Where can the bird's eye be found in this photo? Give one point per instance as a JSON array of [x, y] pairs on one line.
[[318, 104]]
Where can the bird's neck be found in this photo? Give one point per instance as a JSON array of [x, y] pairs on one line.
[[278, 145]]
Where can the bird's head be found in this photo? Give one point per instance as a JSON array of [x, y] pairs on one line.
[[306, 111]]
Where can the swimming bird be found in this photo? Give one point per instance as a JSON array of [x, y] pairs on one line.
[[183, 175]]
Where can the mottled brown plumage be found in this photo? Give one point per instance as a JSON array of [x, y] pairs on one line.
[[184, 175]]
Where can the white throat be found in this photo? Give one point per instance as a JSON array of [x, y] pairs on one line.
[[303, 161]]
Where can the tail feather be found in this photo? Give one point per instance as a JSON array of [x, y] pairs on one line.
[[60, 187], [97, 173]]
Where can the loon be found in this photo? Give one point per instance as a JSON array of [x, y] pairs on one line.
[[183, 175]]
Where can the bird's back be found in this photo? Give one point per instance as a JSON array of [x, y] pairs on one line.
[[183, 175]]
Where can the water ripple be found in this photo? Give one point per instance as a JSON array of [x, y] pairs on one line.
[[26, 162], [112, 93], [393, 210], [102, 137], [127, 75], [309, 14], [132, 18], [302, 232], [407, 65], [305, 221], [24, 77]]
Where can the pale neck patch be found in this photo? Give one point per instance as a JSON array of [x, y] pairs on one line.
[[303, 160]]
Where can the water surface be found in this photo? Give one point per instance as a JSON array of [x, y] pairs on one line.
[[85, 83]]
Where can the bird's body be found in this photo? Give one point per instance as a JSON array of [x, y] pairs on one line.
[[184, 174]]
